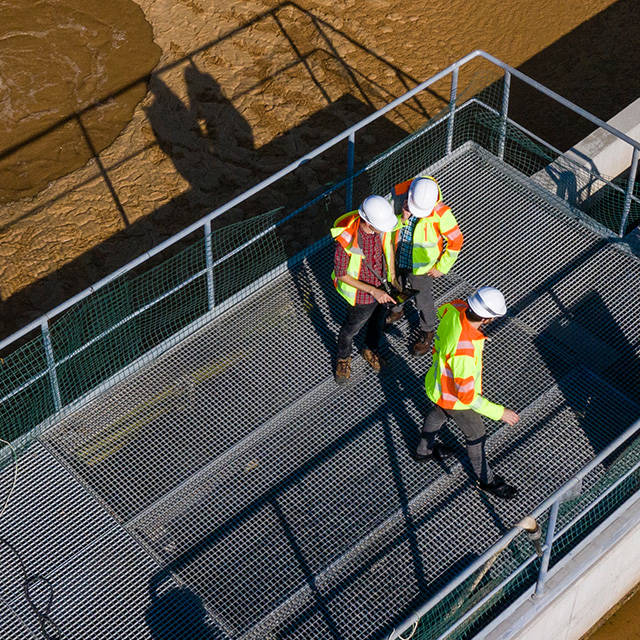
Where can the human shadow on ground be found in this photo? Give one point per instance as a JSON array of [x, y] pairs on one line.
[[178, 614], [586, 336]]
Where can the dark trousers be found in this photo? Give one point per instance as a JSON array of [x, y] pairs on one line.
[[472, 427], [373, 316], [424, 299]]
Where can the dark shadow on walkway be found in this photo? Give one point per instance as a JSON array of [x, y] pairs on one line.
[[178, 614], [587, 336]]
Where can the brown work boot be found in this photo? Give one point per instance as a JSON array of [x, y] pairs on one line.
[[394, 316], [421, 347], [343, 370], [374, 360]]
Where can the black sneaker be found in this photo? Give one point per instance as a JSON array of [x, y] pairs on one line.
[[440, 451], [499, 488]]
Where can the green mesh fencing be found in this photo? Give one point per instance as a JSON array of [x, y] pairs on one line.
[[98, 339], [102, 334]]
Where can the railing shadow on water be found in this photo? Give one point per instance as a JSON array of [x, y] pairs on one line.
[[212, 147]]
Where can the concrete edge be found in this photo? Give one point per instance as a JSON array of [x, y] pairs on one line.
[[574, 598]]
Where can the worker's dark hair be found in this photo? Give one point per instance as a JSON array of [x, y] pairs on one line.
[[473, 317]]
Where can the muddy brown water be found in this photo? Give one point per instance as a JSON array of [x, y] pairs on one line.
[[623, 623], [57, 57]]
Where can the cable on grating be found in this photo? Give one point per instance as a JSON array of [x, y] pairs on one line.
[[47, 626]]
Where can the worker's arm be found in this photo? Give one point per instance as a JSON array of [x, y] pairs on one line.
[[451, 232], [379, 295], [464, 373]]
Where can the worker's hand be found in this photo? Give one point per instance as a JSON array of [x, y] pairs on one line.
[[382, 296], [434, 273], [510, 417], [395, 283], [406, 214]]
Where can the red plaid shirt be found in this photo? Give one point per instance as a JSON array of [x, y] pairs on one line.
[[371, 246]]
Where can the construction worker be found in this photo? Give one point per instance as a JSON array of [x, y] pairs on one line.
[[421, 253], [454, 385], [363, 262]]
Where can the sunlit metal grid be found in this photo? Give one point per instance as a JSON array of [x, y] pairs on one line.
[[291, 507], [79, 567]]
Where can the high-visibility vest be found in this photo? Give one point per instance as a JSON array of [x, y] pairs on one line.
[[430, 232], [345, 231], [454, 380]]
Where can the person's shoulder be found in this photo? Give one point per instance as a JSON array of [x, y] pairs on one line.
[[441, 209]]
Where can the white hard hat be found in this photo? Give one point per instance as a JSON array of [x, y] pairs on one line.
[[423, 196], [487, 302], [378, 212]]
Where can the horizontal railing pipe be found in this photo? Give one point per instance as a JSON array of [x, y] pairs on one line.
[[558, 98], [511, 534]]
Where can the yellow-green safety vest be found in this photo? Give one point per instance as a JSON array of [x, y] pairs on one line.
[[345, 231], [454, 380]]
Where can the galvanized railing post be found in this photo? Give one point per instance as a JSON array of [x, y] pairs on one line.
[[503, 114], [209, 258], [629, 193], [51, 364], [452, 108], [548, 543], [351, 154]]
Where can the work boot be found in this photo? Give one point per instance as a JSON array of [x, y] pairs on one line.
[[394, 316], [343, 370], [422, 346], [374, 360], [439, 452], [499, 488]]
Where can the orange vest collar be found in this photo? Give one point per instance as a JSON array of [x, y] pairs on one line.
[[349, 236]]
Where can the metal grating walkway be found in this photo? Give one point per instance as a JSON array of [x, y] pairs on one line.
[[231, 489]]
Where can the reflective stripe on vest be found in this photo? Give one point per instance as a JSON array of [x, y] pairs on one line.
[[346, 227], [455, 338]]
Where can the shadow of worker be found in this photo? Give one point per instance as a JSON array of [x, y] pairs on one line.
[[178, 614], [208, 141]]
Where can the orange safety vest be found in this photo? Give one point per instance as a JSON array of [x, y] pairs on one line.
[[454, 380], [345, 231]]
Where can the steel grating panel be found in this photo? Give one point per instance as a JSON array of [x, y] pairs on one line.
[[290, 507], [50, 518], [109, 591], [11, 626], [191, 403], [298, 523]]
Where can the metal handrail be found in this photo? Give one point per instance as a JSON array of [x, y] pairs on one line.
[[346, 134], [204, 223], [554, 499]]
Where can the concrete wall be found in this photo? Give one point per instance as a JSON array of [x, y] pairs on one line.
[[574, 174], [582, 587]]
